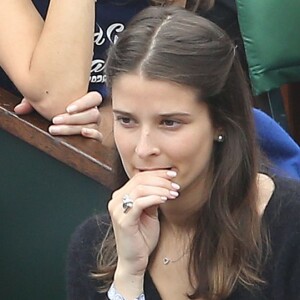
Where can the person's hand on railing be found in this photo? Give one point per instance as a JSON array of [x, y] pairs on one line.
[[82, 117]]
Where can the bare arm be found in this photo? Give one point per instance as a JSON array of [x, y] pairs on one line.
[[48, 62]]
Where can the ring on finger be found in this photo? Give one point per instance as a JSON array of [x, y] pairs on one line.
[[127, 203]]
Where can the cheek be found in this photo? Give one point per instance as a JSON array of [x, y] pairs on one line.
[[194, 150], [124, 146], [120, 142]]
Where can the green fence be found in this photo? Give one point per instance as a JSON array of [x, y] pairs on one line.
[[42, 201]]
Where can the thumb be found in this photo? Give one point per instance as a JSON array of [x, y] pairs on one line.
[[23, 108], [152, 211]]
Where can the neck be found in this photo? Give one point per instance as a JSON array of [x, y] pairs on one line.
[[173, 243], [180, 214]]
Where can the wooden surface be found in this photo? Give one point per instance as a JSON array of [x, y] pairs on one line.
[[291, 94], [90, 157]]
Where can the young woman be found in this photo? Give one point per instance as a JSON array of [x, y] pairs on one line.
[[196, 218]]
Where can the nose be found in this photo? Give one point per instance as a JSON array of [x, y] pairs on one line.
[[146, 145]]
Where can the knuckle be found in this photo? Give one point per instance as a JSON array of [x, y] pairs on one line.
[[138, 205], [115, 194], [139, 189], [110, 206]]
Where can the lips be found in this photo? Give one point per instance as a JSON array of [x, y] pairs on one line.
[[153, 169]]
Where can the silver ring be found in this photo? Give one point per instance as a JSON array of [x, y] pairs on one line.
[[127, 203]]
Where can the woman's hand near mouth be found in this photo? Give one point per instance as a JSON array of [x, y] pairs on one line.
[[137, 229]]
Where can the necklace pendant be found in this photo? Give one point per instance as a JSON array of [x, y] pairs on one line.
[[166, 261]]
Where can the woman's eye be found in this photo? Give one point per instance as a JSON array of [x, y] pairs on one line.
[[125, 121], [170, 123]]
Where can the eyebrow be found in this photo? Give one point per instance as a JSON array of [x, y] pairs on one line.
[[116, 111], [171, 114]]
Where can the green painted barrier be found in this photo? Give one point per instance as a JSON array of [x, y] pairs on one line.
[[41, 202]]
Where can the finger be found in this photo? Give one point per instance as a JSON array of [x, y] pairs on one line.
[[142, 184], [92, 134], [148, 204], [165, 193], [153, 177], [145, 190], [142, 193], [116, 210], [165, 173], [23, 108], [92, 99], [67, 129], [152, 211], [86, 117], [158, 178], [158, 195]]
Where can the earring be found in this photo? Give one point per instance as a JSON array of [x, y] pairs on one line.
[[220, 138]]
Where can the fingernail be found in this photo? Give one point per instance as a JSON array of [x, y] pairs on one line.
[[164, 198], [54, 130], [19, 105], [173, 193], [58, 120], [175, 186], [171, 173], [72, 108]]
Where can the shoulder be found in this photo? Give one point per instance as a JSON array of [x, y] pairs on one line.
[[284, 205], [287, 190], [87, 238], [82, 257], [282, 219], [91, 230]]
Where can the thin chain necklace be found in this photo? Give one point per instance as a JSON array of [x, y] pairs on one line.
[[167, 260]]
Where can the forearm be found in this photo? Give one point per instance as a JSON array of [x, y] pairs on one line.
[[61, 62], [48, 62]]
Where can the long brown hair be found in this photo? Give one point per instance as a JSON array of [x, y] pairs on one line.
[[175, 45]]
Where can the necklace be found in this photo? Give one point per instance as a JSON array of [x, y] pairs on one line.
[[167, 260]]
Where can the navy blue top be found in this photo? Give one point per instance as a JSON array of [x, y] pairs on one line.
[[111, 18]]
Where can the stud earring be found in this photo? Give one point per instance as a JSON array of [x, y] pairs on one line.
[[220, 138]]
